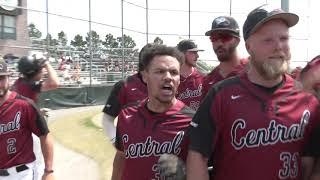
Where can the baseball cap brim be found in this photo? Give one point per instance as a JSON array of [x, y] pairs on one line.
[[290, 19], [5, 74], [195, 49], [208, 33]]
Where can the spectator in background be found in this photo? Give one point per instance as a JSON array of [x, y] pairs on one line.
[[190, 88], [124, 92], [225, 38], [30, 84]]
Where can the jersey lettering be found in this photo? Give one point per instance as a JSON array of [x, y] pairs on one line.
[[152, 147], [12, 125], [190, 93], [268, 136]]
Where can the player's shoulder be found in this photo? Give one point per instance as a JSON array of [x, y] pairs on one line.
[[226, 83], [22, 100]]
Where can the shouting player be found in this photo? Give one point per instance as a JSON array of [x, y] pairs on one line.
[[19, 118], [190, 88], [124, 92], [257, 123], [158, 124]]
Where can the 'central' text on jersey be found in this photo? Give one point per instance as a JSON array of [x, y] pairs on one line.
[[267, 136]]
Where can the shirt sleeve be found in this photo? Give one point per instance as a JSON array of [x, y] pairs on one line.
[[202, 127], [36, 121], [312, 147], [113, 104]]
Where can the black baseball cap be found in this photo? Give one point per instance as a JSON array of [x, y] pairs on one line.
[[187, 45], [224, 23], [4, 68], [263, 14]]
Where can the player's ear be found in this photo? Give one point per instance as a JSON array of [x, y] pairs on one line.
[[144, 76]]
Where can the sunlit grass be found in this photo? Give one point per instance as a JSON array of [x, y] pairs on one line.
[[77, 132]]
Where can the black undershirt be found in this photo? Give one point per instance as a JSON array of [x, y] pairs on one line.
[[270, 90]]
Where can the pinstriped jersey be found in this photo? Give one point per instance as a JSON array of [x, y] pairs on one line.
[[254, 134], [18, 119], [125, 92], [143, 136]]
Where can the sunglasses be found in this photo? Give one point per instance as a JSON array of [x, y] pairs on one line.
[[222, 37]]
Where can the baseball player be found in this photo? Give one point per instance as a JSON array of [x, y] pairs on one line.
[[19, 118], [225, 38], [31, 84], [257, 123], [190, 88], [156, 125], [310, 79], [124, 92]]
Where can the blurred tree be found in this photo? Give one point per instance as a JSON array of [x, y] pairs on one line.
[[114, 46], [95, 41], [158, 40], [62, 39], [33, 31], [78, 43]]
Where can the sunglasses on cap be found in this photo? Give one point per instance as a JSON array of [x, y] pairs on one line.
[[224, 37]]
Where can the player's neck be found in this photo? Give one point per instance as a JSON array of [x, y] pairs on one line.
[[5, 97], [160, 107], [226, 67], [186, 70], [256, 78]]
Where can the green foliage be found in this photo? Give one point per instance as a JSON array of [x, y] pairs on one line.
[[158, 40], [78, 42], [33, 31], [114, 45], [95, 41], [62, 38]]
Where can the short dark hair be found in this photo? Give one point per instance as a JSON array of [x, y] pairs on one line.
[[160, 50], [143, 49]]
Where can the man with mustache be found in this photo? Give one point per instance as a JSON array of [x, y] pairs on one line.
[[225, 38], [19, 119], [157, 125], [257, 123]]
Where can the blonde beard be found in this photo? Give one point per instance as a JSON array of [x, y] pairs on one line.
[[272, 69]]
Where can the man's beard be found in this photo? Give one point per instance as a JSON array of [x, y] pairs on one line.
[[3, 92], [226, 55], [271, 69]]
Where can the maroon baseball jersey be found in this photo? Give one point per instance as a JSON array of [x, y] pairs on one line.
[[18, 119], [144, 135], [27, 88], [254, 133], [214, 76], [190, 90], [125, 92]]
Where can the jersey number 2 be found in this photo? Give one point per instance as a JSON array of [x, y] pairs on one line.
[[11, 148]]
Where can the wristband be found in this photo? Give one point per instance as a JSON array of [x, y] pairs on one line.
[[48, 171]]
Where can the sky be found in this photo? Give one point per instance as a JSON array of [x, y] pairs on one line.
[[106, 18]]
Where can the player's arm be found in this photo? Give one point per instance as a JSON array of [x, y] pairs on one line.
[[47, 152], [307, 164], [118, 164], [109, 126], [201, 134], [197, 166], [112, 109], [53, 81], [316, 171]]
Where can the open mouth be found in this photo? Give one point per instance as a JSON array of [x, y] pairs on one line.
[[167, 89]]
